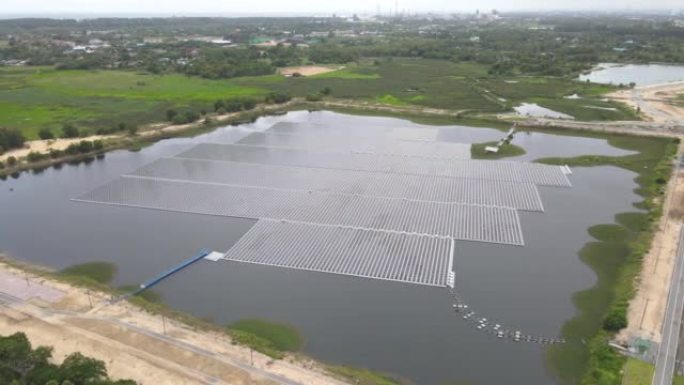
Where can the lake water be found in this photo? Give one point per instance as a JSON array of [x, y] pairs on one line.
[[404, 329], [640, 74]]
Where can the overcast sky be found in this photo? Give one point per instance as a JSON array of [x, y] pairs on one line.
[[217, 7]]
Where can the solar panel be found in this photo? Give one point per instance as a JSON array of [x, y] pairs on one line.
[[365, 253], [523, 196], [460, 221], [538, 174]]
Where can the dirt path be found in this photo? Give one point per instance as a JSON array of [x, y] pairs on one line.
[[647, 309], [136, 344]]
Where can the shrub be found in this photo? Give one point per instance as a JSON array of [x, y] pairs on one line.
[[313, 97], [248, 104], [98, 145], [69, 131], [277, 98], [2, 165], [85, 146], [54, 154], [233, 105], [10, 138], [46, 134], [35, 156], [132, 130], [72, 149], [11, 161], [326, 91], [616, 320], [171, 114]]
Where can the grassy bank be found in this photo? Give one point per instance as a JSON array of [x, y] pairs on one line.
[[615, 257], [269, 338]]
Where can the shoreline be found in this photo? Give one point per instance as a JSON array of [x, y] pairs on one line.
[[134, 342]]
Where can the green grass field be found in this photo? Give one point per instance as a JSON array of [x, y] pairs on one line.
[[32, 98], [637, 372], [477, 151]]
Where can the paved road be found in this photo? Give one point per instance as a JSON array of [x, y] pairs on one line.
[[667, 353]]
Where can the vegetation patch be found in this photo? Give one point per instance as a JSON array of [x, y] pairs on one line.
[[100, 272], [477, 151], [21, 363], [361, 376], [611, 232], [270, 338], [390, 100], [616, 259], [637, 372]]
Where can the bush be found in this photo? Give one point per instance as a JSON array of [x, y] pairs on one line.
[[46, 134], [85, 146], [221, 111], [171, 114], [72, 149], [54, 154], [233, 105], [98, 145], [249, 104], [10, 138], [2, 165], [313, 97], [69, 131], [616, 320], [277, 98], [11, 161], [132, 130], [35, 156], [326, 91]]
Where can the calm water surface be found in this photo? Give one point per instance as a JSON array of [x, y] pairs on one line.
[[640, 74], [404, 329]]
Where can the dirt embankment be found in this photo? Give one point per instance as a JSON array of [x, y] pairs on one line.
[[647, 309], [134, 343], [658, 103]]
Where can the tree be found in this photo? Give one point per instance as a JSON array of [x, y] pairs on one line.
[[82, 370], [69, 131], [45, 133]]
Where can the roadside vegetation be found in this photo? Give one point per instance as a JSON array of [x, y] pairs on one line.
[[22, 364], [615, 257]]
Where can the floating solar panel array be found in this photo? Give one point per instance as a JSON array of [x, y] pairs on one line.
[[391, 132], [538, 174], [348, 251], [384, 202], [522, 196], [368, 144], [460, 221]]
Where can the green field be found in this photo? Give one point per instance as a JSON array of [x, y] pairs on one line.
[[507, 150], [100, 272], [32, 98], [35, 97], [637, 372]]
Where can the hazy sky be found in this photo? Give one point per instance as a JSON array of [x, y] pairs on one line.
[[211, 7]]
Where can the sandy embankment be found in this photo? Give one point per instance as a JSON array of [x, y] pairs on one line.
[[658, 103], [136, 344], [647, 309]]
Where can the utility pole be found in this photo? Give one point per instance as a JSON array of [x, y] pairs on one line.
[[164, 323], [90, 300], [251, 356], [28, 283]]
